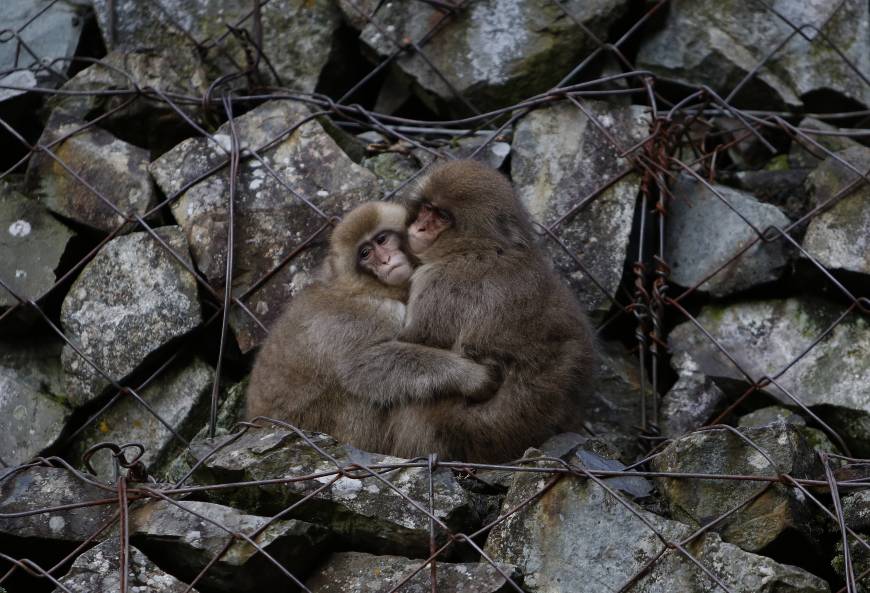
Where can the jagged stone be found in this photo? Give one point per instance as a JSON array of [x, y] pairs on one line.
[[99, 571], [32, 243], [803, 154], [354, 572], [366, 511], [114, 168], [578, 538], [494, 52], [839, 237], [715, 43], [31, 399], [178, 539], [779, 510], [703, 233], [764, 337], [130, 300], [270, 222], [179, 397], [692, 400], [35, 488], [559, 158], [298, 35]]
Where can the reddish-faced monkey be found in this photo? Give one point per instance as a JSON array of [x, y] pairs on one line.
[[486, 290], [331, 362]]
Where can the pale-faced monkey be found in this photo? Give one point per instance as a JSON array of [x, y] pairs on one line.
[[485, 289], [331, 362]]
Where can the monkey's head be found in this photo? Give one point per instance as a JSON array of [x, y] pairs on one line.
[[368, 246], [467, 200]]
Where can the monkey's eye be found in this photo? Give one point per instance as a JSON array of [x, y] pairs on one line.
[[444, 215], [426, 207], [381, 239], [364, 253]]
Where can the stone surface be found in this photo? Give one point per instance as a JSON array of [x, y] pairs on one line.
[[777, 512], [365, 511], [578, 538], [32, 242], [183, 543], [718, 43], [495, 52], [766, 336], [691, 402], [270, 222], [297, 34], [783, 188], [99, 571], [705, 231], [46, 31], [559, 158], [36, 488], [839, 237], [31, 399], [804, 154], [179, 396], [149, 123], [112, 167], [354, 572], [130, 300], [856, 510]]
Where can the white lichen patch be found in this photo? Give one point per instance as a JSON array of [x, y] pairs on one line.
[[19, 228]]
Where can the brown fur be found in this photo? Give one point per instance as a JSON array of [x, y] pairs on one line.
[[485, 289], [331, 362]]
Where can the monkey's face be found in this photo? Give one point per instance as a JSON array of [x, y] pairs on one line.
[[431, 221], [382, 256]]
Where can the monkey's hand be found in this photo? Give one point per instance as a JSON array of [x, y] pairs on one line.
[[483, 382]]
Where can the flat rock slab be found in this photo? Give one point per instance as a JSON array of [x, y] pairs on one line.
[[32, 242], [764, 337], [31, 399], [93, 161], [718, 43], [186, 536], [839, 238], [99, 571], [298, 35], [781, 449], [709, 226], [366, 511], [37, 488], [270, 221], [179, 397], [354, 572], [691, 401], [130, 300], [578, 538], [494, 52], [560, 157]]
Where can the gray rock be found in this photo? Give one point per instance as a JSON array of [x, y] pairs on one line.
[[779, 510], [130, 300], [31, 399], [99, 571], [494, 154], [24, 79], [185, 537], [770, 415], [36, 488], [800, 155], [179, 396], [578, 538], [839, 237], [703, 233], [116, 169], [270, 222], [709, 42], [559, 158], [766, 336], [297, 34], [783, 188], [495, 52], [691, 402], [366, 511], [46, 32], [392, 169], [354, 572], [153, 124], [860, 559], [856, 510], [32, 242]]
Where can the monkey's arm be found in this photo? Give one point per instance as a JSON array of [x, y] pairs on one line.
[[393, 372]]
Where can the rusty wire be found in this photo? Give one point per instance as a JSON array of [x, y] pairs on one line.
[[655, 158]]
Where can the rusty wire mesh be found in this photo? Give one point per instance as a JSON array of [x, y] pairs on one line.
[[644, 303]]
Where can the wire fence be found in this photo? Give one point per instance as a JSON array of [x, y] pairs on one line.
[[682, 140]]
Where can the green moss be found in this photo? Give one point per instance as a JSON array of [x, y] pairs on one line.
[[778, 163]]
